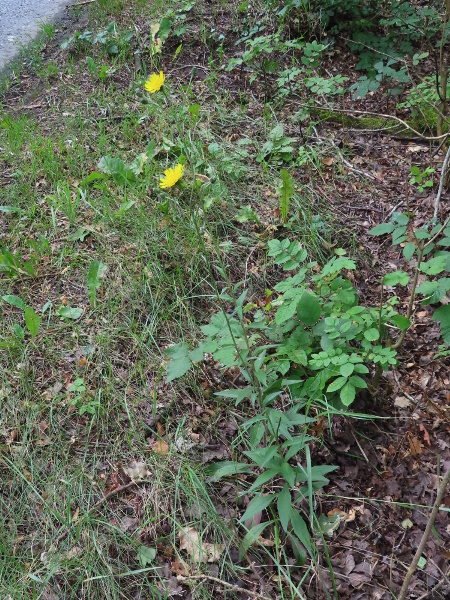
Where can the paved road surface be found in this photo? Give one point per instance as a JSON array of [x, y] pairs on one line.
[[19, 22]]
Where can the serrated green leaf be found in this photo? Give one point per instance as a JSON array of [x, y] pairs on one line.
[[347, 394], [146, 555], [395, 278], [382, 229], [309, 309], [336, 384], [32, 321], [179, 363], [435, 265], [284, 506], [409, 250], [285, 312], [347, 369], [14, 301], [372, 334]]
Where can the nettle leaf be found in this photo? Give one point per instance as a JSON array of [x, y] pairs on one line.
[[14, 301], [179, 363], [309, 309], [442, 315], [382, 229], [395, 278], [32, 321]]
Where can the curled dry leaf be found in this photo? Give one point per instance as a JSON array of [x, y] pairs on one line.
[[137, 470], [198, 550]]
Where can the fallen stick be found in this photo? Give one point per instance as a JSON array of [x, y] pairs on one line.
[[426, 535], [230, 586], [81, 3]]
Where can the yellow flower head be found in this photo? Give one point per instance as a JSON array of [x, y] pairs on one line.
[[171, 176], [154, 84]]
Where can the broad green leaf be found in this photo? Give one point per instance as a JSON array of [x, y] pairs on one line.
[[357, 382], [179, 361], [382, 229], [257, 505], [284, 506], [435, 265], [146, 555], [94, 279], [309, 309], [32, 321], [69, 312], [395, 278], [372, 334], [442, 315], [14, 301], [285, 312], [402, 322], [409, 250], [347, 369], [164, 29], [336, 384], [348, 394], [116, 168], [286, 190]]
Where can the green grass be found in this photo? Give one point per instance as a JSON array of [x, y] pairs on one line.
[[55, 463]]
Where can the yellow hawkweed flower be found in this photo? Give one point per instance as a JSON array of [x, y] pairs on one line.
[[154, 84], [171, 176]]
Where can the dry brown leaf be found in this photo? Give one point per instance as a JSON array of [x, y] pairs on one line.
[[161, 447], [426, 435], [402, 402], [328, 161], [198, 550], [179, 567], [415, 446]]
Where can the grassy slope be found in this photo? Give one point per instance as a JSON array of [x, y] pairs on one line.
[[55, 462]]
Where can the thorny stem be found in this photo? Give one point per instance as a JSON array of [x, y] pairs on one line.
[[399, 342]]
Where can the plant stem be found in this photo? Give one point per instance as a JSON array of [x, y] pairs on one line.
[[426, 535], [399, 342]]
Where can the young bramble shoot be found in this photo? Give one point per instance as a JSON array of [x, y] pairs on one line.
[[171, 176], [155, 83]]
